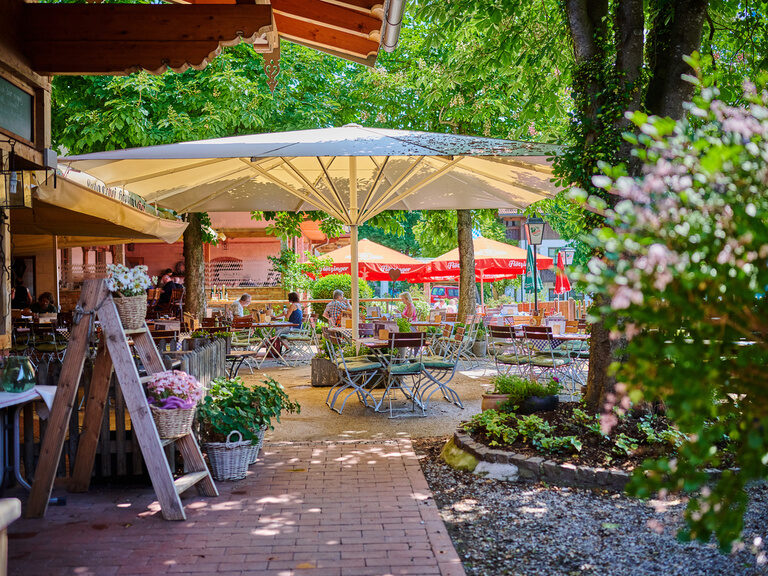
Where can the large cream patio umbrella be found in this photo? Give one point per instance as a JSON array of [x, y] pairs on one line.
[[352, 173]]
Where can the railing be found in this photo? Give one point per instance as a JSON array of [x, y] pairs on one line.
[[118, 453]]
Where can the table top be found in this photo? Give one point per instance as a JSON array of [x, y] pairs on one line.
[[272, 324], [45, 393], [241, 353], [373, 342], [571, 336]]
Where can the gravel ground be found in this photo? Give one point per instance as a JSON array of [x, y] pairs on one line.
[[533, 529]]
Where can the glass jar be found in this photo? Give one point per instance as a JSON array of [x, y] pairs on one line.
[[18, 375]]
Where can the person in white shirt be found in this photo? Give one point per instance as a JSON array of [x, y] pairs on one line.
[[241, 305]]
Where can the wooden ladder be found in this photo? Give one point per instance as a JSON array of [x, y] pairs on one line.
[[113, 353]]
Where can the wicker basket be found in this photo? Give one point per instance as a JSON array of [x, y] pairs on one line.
[[229, 460], [132, 310], [173, 423], [256, 448]]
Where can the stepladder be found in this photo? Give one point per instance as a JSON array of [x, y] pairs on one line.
[[114, 353]]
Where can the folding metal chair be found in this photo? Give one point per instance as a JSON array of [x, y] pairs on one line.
[[439, 371], [298, 343], [356, 373], [505, 346], [542, 354], [404, 372]]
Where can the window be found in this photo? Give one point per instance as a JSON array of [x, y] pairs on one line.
[[453, 292], [438, 291]]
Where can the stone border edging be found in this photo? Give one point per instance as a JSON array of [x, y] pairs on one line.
[[537, 468]]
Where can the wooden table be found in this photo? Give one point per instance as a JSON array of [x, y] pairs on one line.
[[236, 358]]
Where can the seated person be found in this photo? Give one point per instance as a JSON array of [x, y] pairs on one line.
[[238, 308], [335, 308], [21, 299], [452, 306], [294, 314], [409, 308], [165, 278], [44, 304], [173, 284]]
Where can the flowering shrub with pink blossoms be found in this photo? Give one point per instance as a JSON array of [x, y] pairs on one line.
[[173, 389], [684, 264]]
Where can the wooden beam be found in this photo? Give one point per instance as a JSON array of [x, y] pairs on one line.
[[123, 38], [316, 35], [329, 16]]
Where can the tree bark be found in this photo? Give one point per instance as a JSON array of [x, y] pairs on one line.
[[674, 32], [194, 264], [467, 298]]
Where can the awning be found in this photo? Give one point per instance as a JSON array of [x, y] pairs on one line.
[[72, 209]]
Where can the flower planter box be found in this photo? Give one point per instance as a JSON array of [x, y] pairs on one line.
[[324, 373], [195, 343]]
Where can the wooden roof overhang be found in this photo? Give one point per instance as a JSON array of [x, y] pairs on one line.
[[118, 39]]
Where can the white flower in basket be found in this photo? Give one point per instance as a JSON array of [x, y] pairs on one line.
[[129, 285]]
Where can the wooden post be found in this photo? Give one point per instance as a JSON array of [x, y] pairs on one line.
[[92, 296], [94, 414]]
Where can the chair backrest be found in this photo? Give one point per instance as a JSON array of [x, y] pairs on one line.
[[501, 332], [333, 336], [459, 333], [401, 340], [538, 332], [451, 316], [366, 329], [447, 329], [209, 322], [177, 294], [242, 322]]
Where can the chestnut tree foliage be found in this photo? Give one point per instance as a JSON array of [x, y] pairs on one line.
[[684, 274]]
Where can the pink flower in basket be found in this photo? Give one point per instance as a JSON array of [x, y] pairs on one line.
[[173, 389]]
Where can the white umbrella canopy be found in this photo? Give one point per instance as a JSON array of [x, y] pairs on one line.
[[352, 173]]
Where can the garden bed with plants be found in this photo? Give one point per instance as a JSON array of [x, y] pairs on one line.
[[567, 433]]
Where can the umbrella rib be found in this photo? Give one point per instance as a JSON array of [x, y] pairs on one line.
[[202, 183], [375, 182], [218, 192], [330, 183], [395, 187], [288, 188], [414, 188], [167, 172], [503, 180]]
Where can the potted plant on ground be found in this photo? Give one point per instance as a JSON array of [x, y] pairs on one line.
[[231, 407], [324, 372], [480, 347], [129, 289], [172, 397], [523, 395]]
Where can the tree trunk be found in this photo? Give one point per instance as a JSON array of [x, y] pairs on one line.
[[467, 289], [194, 263]]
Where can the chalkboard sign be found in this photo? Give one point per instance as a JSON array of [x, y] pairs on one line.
[[16, 110]]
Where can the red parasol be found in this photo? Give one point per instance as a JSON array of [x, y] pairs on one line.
[[375, 261], [562, 284]]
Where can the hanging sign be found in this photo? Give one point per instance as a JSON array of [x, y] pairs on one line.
[[16, 108]]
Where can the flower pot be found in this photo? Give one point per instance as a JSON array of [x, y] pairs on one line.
[[493, 401], [194, 343], [480, 348], [539, 404], [173, 423], [132, 310], [324, 373], [229, 460]]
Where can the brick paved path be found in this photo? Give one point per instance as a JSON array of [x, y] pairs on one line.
[[305, 509]]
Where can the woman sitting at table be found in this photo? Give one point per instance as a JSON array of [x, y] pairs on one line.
[[409, 311], [44, 304], [294, 314]]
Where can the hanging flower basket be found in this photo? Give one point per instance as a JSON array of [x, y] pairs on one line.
[[132, 311], [129, 285], [173, 423], [229, 460]]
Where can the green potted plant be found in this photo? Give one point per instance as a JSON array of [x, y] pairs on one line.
[[523, 395], [324, 372], [232, 407]]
